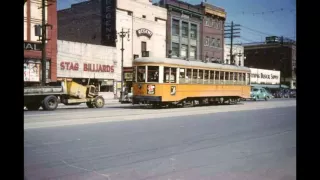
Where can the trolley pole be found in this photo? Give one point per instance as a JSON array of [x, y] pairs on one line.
[[122, 35]]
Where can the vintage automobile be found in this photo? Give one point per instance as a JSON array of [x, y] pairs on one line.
[[259, 93]]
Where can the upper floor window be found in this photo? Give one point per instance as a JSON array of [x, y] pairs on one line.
[[143, 16], [213, 42], [184, 50], [218, 42], [207, 21], [193, 52], [175, 27], [175, 50], [206, 41], [193, 32], [185, 29]]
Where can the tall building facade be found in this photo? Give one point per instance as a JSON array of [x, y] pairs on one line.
[[184, 26], [32, 43], [273, 56], [212, 40], [99, 22]]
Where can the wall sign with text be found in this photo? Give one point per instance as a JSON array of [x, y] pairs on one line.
[[144, 32]]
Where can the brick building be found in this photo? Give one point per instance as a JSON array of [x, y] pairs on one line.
[[274, 57], [32, 45], [184, 27], [212, 40]]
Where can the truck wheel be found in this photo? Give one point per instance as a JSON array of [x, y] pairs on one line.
[[33, 106], [50, 103], [98, 102], [90, 105]]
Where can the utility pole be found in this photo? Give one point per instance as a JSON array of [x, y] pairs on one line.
[[281, 61], [122, 35], [43, 41], [231, 35]]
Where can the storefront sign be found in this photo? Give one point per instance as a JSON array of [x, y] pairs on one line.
[[108, 13], [31, 72], [262, 76], [32, 46], [144, 32], [73, 66]]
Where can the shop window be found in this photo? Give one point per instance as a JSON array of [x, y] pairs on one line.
[[185, 29], [153, 74], [141, 74], [106, 86], [194, 76], [182, 75]]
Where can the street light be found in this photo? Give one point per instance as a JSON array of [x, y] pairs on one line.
[[122, 35]]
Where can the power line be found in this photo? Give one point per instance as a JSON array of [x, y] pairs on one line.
[[263, 12]]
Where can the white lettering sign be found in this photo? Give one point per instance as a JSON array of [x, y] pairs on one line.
[[144, 32], [263, 76]]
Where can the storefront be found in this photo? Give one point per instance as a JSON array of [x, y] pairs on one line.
[[90, 64]]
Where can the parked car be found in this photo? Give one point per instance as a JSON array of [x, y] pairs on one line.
[[258, 93], [292, 93], [282, 93]]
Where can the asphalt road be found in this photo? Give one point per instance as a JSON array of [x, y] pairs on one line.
[[256, 144]]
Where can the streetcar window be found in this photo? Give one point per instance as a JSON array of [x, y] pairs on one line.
[[153, 74], [189, 76], [235, 78], [206, 77], [200, 77], [222, 77], [243, 78], [169, 78], [166, 74], [212, 77], [182, 75], [217, 75], [248, 77], [231, 78], [240, 78], [141, 74], [173, 76], [227, 78], [194, 76]]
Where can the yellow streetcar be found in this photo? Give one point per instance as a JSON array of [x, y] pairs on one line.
[[166, 81]]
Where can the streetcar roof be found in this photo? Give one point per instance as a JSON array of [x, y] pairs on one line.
[[180, 62]]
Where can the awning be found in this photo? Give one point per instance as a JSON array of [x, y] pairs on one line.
[[270, 86]]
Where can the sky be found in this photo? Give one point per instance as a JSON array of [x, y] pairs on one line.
[[258, 18]]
